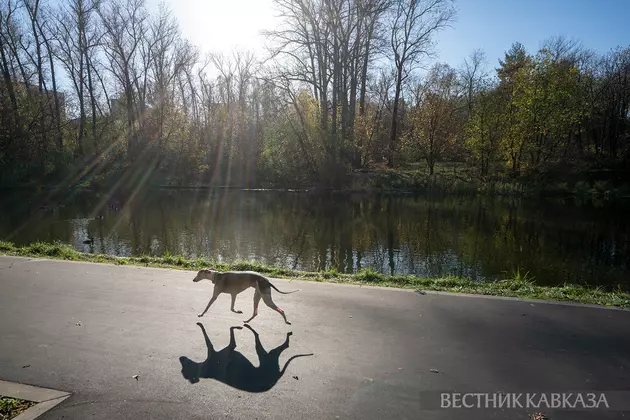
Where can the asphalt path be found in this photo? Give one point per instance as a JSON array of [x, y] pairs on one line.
[[125, 342]]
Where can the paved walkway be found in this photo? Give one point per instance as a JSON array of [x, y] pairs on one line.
[[90, 328]]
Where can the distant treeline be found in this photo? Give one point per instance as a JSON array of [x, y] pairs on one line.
[[340, 89]]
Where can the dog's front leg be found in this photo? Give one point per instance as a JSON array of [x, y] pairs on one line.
[[214, 297], [233, 302], [232, 344], [206, 339]]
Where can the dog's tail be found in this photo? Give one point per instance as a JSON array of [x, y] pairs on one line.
[[284, 293], [286, 365]]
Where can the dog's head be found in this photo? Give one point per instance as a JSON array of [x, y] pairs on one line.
[[204, 273], [190, 369]]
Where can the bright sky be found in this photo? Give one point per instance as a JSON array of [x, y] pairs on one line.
[[221, 25], [493, 25]]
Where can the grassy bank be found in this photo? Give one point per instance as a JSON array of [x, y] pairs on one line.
[[12, 407], [515, 286]]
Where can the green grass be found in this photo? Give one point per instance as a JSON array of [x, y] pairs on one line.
[[11, 407], [517, 284]]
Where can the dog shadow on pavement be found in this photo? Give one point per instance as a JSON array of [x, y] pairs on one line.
[[234, 369]]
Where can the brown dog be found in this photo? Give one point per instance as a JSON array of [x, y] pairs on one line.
[[235, 282]]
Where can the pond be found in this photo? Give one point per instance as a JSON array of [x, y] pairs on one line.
[[480, 238]]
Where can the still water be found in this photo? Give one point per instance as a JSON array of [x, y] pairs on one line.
[[481, 238]]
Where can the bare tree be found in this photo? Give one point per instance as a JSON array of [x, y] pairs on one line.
[[328, 45], [244, 69], [413, 26], [371, 12], [40, 119], [225, 82], [13, 36], [77, 38], [170, 54], [304, 42], [32, 7], [7, 26], [472, 75], [44, 27], [125, 22]]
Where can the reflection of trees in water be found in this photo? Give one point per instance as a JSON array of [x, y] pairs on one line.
[[390, 237], [421, 235], [427, 237]]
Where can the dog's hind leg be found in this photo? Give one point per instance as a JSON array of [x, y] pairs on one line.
[[260, 350], [256, 301], [282, 347], [266, 297]]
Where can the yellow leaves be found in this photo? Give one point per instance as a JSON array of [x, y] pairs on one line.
[[363, 126]]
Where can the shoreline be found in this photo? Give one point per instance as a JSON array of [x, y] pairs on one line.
[[517, 287], [379, 183]]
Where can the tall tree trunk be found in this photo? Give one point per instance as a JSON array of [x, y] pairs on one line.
[[335, 84], [93, 107], [393, 132], [25, 78], [40, 71], [131, 143], [354, 66], [343, 88], [91, 92], [16, 123], [82, 114], [57, 105], [364, 70]]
